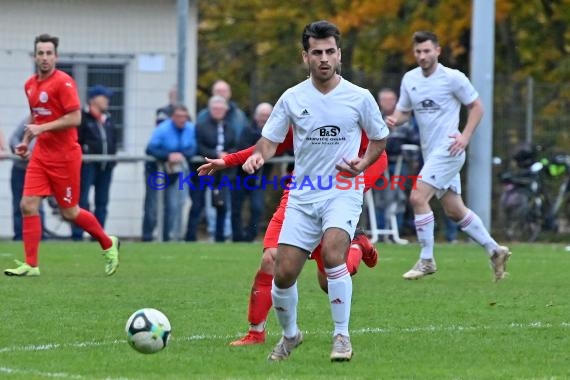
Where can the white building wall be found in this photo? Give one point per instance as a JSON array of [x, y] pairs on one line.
[[104, 29]]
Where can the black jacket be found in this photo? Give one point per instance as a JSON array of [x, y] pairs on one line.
[[93, 139]]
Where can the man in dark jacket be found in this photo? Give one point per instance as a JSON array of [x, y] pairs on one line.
[[249, 137], [96, 135], [215, 140]]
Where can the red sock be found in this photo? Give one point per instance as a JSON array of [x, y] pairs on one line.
[[260, 298], [353, 260], [89, 223], [31, 234]]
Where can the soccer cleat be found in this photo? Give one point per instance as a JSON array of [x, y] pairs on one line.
[[369, 252], [23, 270], [283, 348], [499, 260], [342, 349], [422, 268], [252, 337], [112, 256]]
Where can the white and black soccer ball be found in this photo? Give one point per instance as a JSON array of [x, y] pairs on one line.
[[148, 330]]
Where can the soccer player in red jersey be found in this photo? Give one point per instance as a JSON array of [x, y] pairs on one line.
[[361, 249], [55, 164]]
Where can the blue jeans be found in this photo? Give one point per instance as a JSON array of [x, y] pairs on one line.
[[198, 196], [255, 210], [97, 175], [174, 200], [150, 214], [450, 229]]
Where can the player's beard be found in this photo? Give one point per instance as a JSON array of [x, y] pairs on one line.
[[321, 77], [45, 69], [428, 65]]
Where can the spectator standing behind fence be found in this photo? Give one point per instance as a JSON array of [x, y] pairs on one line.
[[237, 120], [17, 181], [3, 145], [404, 134], [150, 197], [173, 142], [96, 135], [248, 138], [215, 140]]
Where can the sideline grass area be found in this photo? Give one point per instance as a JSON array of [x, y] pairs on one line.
[[457, 324]]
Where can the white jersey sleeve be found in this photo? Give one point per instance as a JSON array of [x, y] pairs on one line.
[[371, 119], [404, 102], [277, 125], [463, 89]]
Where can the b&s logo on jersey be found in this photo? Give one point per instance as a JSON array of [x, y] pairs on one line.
[[326, 135], [428, 106], [43, 97]]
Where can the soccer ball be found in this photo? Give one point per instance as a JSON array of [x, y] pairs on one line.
[[148, 330]]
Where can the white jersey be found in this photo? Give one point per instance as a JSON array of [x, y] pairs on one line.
[[326, 129], [436, 101]]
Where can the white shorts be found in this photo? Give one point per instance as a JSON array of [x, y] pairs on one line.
[[441, 170], [305, 224]]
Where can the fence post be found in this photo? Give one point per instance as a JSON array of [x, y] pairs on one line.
[[529, 108]]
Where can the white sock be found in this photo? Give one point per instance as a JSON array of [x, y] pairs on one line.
[[285, 306], [424, 230], [340, 297], [258, 327], [472, 225]]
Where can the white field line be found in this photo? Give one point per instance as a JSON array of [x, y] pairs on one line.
[[31, 372], [58, 375], [364, 331]]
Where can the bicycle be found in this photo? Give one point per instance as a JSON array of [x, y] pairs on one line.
[[523, 203]]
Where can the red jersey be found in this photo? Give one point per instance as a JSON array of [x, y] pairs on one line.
[[50, 99]]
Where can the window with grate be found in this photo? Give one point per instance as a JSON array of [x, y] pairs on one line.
[[111, 76]]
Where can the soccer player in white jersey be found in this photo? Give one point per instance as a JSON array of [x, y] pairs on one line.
[[328, 114], [435, 94]]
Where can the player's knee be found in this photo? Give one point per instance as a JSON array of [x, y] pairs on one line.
[[268, 260], [69, 214], [29, 206], [417, 199]]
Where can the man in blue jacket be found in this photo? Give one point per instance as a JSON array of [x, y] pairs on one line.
[[173, 143]]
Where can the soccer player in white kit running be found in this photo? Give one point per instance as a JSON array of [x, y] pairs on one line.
[[435, 94], [328, 114]]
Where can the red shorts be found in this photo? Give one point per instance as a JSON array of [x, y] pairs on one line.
[[60, 179], [271, 238]]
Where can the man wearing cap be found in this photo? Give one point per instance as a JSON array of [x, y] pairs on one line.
[[96, 135]]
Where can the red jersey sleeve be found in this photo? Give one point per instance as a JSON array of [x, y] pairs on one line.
[[375, 171], [68, 95], [239, 158]]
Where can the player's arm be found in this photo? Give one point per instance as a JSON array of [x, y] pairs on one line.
[[213, 165], [264, 150], [474, 116], [352, 168], [69, 120], [397, 118]]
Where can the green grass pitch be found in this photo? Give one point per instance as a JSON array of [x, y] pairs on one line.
[[457, 324]]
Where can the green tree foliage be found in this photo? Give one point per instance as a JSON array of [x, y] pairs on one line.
[[256, 46]]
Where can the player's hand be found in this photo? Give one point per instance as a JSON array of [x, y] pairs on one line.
[[253, 162], [211, 166], [175, 157], [22, 150], [459, 144], [391, 121], [350, 168], [34, 129]]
